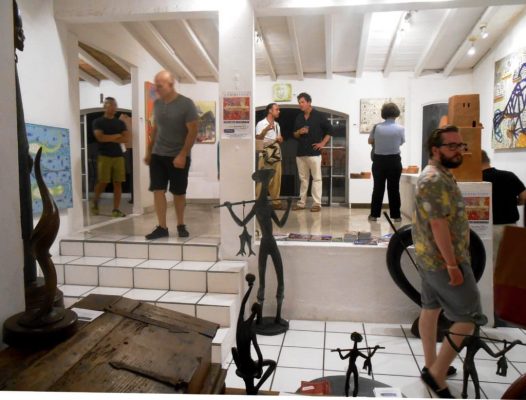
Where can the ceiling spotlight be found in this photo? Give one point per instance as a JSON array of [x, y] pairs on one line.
[[484, 31], [472, 50], [257, 37], [406, 22]]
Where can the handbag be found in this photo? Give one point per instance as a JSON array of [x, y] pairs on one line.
[[272, 153]]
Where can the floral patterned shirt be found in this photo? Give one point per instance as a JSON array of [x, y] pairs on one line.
[[438, 196]]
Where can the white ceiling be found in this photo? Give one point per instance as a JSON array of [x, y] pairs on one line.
[[333, 42]]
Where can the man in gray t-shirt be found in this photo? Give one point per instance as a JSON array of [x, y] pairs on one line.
[[173, 134]]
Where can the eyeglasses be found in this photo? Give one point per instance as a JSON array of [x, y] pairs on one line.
[[455, 146]]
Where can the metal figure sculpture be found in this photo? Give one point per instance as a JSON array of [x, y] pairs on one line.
[[265, 214], [513, 112], [352, 355], [247, 368], [473, 343]]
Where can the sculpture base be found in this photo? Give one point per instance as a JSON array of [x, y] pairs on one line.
[[365, 386], [269, 327], [17, 335]]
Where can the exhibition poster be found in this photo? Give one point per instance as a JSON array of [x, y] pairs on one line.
[[236, 120]]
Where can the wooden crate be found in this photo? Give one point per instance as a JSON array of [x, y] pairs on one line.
[[464, 110], [471, 168]]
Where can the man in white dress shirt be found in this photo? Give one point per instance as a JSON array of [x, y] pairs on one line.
[[268, 131]]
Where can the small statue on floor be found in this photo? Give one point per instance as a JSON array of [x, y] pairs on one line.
[[473, 343], [353, 355], [247, 368], [265, 214]]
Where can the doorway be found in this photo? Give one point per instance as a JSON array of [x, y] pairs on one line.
[[334, 155]]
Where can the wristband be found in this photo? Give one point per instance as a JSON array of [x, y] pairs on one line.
[[452, 267]]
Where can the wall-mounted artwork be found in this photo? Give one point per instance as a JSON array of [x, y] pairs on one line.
[[433, 116], [150, 95], [370, 112], [206, 110], [55, 164], [281, 92], [509, 102]]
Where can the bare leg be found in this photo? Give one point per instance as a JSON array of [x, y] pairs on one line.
[[180, 203], [427, 326], [117, 194], [99, 188], [447, 354], [159, 200]]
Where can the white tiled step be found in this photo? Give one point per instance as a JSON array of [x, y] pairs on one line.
[[121, 246], [215, 307]]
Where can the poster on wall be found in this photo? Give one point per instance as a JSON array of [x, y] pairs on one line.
[[55, 164], [281, 92], [509, 102], [236, 107], [206, 110], [370, 112], [150, 95]]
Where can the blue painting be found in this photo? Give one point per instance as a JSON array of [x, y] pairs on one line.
[[55, 164]]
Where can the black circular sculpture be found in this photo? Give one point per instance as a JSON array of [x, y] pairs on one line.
[[398, 245]]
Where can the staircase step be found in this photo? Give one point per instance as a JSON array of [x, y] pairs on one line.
[[222, 345]]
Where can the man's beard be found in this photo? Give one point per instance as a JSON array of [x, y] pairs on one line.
[[450, 163]]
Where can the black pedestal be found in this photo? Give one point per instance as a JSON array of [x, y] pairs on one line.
[[269, 327]]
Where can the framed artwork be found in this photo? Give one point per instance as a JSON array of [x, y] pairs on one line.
[[281, 92], [206, 110], [370, 112], [509, 106], [432, 115], [150, 95], [55, 164]]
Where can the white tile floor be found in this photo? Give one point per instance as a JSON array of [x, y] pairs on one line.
[[303, 353]]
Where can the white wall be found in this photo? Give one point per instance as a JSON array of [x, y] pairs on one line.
[[50, 88], [483, 78], [11, 261], [90, 94]]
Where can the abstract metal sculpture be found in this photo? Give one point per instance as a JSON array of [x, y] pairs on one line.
[[265, 214], [247, 368], [473, 343], [353, 355]]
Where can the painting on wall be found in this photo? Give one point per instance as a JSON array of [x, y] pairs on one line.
[[509, 102], [433, 116], [206, 110], [370, 112], [150, 95], [281, 92], [55, 164]]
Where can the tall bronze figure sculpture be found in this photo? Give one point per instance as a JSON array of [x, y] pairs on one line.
[[247, 368], [473, 344], [265, 214], [45, 320]]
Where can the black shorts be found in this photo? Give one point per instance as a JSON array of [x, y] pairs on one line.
[[162, 171]]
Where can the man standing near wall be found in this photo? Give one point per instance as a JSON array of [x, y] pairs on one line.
[[110, 132], [269, 131], [507, 191], [441, 237], [173, 134], [313, 131]]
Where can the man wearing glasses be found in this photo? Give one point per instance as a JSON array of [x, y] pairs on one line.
[[441, 238]]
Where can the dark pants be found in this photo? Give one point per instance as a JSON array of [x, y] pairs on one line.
[[386, 168]]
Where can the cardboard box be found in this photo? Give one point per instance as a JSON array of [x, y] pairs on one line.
[[471, 168], [464, 110]]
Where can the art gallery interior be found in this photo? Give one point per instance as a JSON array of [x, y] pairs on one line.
[[351, 57]]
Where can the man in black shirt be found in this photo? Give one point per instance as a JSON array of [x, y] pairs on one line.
[[312, 131], [110, 132], [507, 192]]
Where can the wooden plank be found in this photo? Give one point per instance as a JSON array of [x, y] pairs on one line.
[[215, 381]]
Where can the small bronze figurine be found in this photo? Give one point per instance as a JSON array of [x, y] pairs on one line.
[[353, 355], [247, 368], [265, 214]]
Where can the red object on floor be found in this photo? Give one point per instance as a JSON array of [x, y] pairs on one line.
[[318, 388]]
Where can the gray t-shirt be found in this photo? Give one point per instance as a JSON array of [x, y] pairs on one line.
[[171, 119], [388, 137]]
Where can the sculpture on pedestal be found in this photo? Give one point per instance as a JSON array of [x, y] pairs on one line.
[[352, 355], [473, 343], [265, 214], [247, 368]]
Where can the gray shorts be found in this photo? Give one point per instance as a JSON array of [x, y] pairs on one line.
[[460, 303]]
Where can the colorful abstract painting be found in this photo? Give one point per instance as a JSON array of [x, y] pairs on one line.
[[206, 110], [150, 95], [55, 164], [370, 112], [509, 102]]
